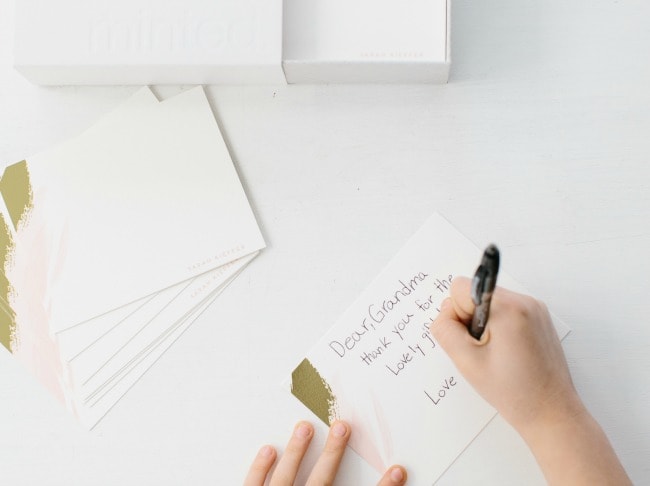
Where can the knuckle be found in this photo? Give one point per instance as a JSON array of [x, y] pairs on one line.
[[542, 308], [521, 310], [440, 331], [525, 306]]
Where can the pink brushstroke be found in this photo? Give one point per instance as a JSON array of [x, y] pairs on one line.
[[33, 265], [371, 437]]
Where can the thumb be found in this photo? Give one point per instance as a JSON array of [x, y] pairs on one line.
[[451, 333]]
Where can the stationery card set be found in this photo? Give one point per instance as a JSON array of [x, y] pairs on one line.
[[113, 242]]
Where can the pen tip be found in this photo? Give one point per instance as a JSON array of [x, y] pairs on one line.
[[491, 256]]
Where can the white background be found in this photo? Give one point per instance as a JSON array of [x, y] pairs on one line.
[[540, 142]]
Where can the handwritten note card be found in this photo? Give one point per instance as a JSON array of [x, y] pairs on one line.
[[380, 369]]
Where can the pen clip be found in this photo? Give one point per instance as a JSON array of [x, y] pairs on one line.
[[478, 284]]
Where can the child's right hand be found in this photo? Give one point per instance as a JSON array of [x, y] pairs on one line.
[[518, 366]]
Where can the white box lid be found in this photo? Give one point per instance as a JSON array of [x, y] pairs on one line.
[[148, 41], [366, 41]]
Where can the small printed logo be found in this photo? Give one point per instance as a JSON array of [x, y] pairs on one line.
[[151, 31], [393, 54]]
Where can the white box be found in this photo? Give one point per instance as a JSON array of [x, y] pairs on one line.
[[94, 42], [366, 41], [149, 41]]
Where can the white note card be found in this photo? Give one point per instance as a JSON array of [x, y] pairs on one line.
[[114, 242], [380, 369]]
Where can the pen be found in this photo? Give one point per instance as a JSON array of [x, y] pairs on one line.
[[483, 283]]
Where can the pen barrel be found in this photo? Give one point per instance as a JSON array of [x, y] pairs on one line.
[[480, 317]]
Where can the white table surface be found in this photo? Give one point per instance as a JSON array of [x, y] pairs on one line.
[[540, 142]]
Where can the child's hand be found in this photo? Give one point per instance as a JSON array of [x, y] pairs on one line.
[[324, 470], [518, 366]]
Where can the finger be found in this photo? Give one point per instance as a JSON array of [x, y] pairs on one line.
[[396, 475], [461, 298], [328, 463], [287, 468], [451, 333], [261, 466]]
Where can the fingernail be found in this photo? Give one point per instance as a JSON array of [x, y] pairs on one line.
[[397, 475], [303, 431], [339, 430], [266, 451]]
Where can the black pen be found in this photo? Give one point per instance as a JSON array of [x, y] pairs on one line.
[[483, 284]]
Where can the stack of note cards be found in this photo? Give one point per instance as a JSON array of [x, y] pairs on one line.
[[380, 369], [112, 243]]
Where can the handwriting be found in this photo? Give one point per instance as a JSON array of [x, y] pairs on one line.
[[406, 339], [369, 356], [401, 325], [444, 390], [401, 364], [376, 314]]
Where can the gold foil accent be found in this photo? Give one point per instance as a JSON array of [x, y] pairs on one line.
[[16, 191], [308, 386], [7, 315]]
